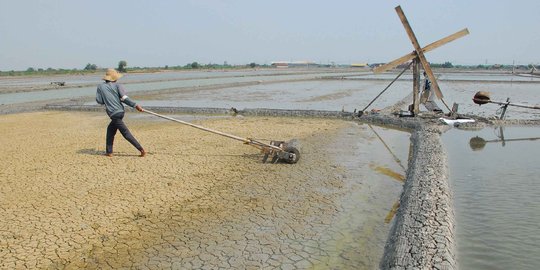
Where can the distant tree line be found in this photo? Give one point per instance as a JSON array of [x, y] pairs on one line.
[[483, 67], [90, 67], [123, 67], [444, 65], [225, 65]]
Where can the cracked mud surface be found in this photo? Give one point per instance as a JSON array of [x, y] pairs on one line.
[[197, 200]]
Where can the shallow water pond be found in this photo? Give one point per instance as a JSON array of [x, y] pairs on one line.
[[494, 176], [333, 95], [374, 160]]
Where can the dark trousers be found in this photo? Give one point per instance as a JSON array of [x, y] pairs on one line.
[[118, 124]]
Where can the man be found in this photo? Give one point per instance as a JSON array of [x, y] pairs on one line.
[[112, 94], [427, 97], [426, 94]]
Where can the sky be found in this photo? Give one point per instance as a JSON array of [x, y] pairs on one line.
[[70, 34]]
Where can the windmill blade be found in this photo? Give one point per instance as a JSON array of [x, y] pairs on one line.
[[419, 52], [428, 48]]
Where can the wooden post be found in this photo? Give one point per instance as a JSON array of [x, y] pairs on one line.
[[416, 86]]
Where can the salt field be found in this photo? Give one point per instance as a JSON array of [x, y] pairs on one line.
[[270, 135], [492, 174]]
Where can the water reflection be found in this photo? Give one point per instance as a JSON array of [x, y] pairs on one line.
[[389, 172], [478, 143]]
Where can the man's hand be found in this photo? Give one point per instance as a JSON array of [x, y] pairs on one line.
[[139, 108]]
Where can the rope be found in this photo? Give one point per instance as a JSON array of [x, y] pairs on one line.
[[443, 102], [392, 82]]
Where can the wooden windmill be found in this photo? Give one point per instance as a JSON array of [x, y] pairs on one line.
[[418, 58]]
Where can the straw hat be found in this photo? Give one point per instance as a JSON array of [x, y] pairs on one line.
[[112, 75]]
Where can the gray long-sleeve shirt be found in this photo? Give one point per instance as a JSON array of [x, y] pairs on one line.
[[112, 94]]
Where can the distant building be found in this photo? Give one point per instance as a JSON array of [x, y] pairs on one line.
[[280, 64], [359, 65], [287, 64]]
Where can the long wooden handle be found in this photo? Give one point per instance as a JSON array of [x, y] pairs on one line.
[[197, 126], [244, 140]]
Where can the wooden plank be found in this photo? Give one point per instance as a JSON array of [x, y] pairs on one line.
[[419, 52], [428, 48]]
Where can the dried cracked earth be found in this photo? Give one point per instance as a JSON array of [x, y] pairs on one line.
[[196, 201]]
